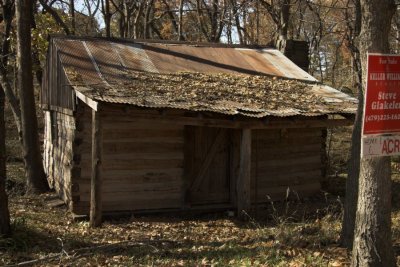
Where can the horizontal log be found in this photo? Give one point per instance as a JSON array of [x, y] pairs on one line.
[[289, 133], [269, 173], [301, 177], [207, 197], [169, 119], [144, 155], [288, 163], [138, 164], [285, 143], [266, 155], [141, 147], [127, 174], [135, 187], [142, 133], [144, 139], [123, 123], [137, 196]]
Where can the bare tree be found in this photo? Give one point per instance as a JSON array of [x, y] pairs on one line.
[[55, 16], [105, 9], [372, 244], [280, 14], [4, 213], [350, 207], [36, 178], [72, 15]]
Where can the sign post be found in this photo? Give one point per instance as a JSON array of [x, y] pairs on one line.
[[381, 121]]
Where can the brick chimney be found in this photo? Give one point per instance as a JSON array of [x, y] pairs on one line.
[[296, 51]]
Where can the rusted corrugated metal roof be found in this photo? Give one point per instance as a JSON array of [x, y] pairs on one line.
[[251, 82]]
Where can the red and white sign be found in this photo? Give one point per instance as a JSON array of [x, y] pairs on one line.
[[382, 106], [380, 145]]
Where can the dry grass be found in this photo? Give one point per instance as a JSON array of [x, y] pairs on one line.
[[289, 234]]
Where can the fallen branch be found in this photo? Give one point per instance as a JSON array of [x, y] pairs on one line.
[[77, 253]]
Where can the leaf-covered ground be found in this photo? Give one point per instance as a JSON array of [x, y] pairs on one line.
[[289, 233]]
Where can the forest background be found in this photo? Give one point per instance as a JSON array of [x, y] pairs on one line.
[[330, 27]]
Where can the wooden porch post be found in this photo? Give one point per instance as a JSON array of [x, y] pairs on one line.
[[96, 179], [243, 183]]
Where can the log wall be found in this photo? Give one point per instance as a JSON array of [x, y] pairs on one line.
[[142, 162], [286, 158], [58, 152]]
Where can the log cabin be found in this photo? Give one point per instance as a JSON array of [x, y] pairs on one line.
[[136, 126]]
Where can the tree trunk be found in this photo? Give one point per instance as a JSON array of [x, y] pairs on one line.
[[72, 15], [36, 178], [350, 207], [180, 21], [284, 16], [107, 17], [4, 213], [372, 244]]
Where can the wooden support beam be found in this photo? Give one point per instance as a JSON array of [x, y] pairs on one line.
[[90, 102], [249, 123], [243, 187], [234, 157], [96, 179]]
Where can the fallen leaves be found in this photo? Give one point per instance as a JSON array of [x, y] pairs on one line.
[[168, 241], [221, 92]]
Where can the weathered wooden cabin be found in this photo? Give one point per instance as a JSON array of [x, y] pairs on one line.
[[140, 125]]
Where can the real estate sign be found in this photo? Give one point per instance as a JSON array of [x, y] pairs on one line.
[[381, 121]]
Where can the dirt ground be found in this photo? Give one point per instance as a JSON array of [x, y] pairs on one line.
[[288, 233]]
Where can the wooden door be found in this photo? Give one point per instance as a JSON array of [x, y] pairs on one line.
[[207, 165]]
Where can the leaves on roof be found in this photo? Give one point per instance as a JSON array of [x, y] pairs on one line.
[[226, 93]]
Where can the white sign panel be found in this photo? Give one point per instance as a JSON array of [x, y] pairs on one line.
[[380, 145]]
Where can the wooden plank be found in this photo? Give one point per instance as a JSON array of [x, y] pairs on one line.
[[207, 161], [287, 143], [137, 196], [124, 147], [121, 122], [285, 155], [144, 155], [135, 147], [272, 173], [96, 179], [277, 134], [144, 139], [132, 133], [137, 164], [250, 123], [212, 197], [127, 174], [244, 178], [279, 151], [234, 163], [88, 101], [289, 179], [135, 187], [287, 163], [189, 163]]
